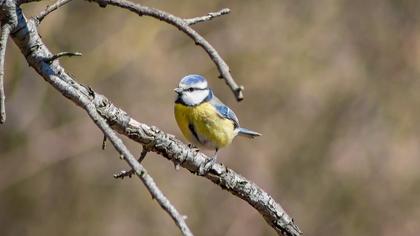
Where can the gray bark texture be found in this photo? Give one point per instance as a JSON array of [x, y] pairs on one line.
[[110, 118]]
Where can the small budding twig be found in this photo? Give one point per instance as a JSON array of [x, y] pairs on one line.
[[31, 45], [62, 54], [209, 16], [50, 9], [131, 172]]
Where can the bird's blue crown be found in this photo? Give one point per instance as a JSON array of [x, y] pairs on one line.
[[193, 81]]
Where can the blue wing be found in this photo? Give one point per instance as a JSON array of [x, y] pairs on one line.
[[224, 111]]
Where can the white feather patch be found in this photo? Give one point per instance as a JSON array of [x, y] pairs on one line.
[[195, 97]]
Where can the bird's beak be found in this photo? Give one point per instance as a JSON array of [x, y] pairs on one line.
[[178, 90]]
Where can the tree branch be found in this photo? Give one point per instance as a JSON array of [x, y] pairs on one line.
[[4, 35], [182, 25], [181, 155], [27, 38], [108, 116], [138, 168], [62, 54], [209, 16], [129, 173], [50, 9]]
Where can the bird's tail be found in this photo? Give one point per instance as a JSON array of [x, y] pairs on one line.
[[248, 133]]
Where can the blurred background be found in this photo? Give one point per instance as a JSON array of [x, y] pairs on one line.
[[333, 86]]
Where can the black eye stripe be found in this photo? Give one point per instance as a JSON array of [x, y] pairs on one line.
[[194, 89]]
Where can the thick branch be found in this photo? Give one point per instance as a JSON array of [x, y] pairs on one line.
[[209, 16], [4, 35], [29, 42], [26, 37], [182, 25], [180, 154], [137, 168]]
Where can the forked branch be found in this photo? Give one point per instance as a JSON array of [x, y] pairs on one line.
[[39, 57], [109, 117], [122, 174], [182, 155], [182, 25], [137, 168]]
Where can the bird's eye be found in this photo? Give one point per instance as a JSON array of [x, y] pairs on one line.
[[190, 89]]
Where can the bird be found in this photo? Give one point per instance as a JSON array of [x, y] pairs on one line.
[[203, 119]]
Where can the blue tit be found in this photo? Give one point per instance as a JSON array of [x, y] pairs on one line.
[[203, 119]]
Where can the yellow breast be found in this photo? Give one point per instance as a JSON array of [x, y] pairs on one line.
[[212, 130]]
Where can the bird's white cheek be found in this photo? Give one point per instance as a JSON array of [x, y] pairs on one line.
[[190, 99], [196, 97]]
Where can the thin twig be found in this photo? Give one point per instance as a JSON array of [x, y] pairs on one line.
[[50, 9], [182, 25], [209, 16], [62, 54], [138, 168], [129, 173], [4, 35], [99, 108], [30, 43]]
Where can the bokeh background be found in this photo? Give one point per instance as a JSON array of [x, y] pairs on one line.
[[333, 85]]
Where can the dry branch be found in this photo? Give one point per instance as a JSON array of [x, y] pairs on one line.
[[62, 54], [108, 116], [181, 155], [209, 16], [131, 172], [50, 9], [139, 170], [26, 36], [182, 25]]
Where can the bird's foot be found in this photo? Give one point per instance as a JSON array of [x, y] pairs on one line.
[[206, 166]]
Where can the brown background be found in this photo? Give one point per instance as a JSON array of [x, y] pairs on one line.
[[332, 84]]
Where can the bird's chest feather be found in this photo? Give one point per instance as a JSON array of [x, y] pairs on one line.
[[202, 125]]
